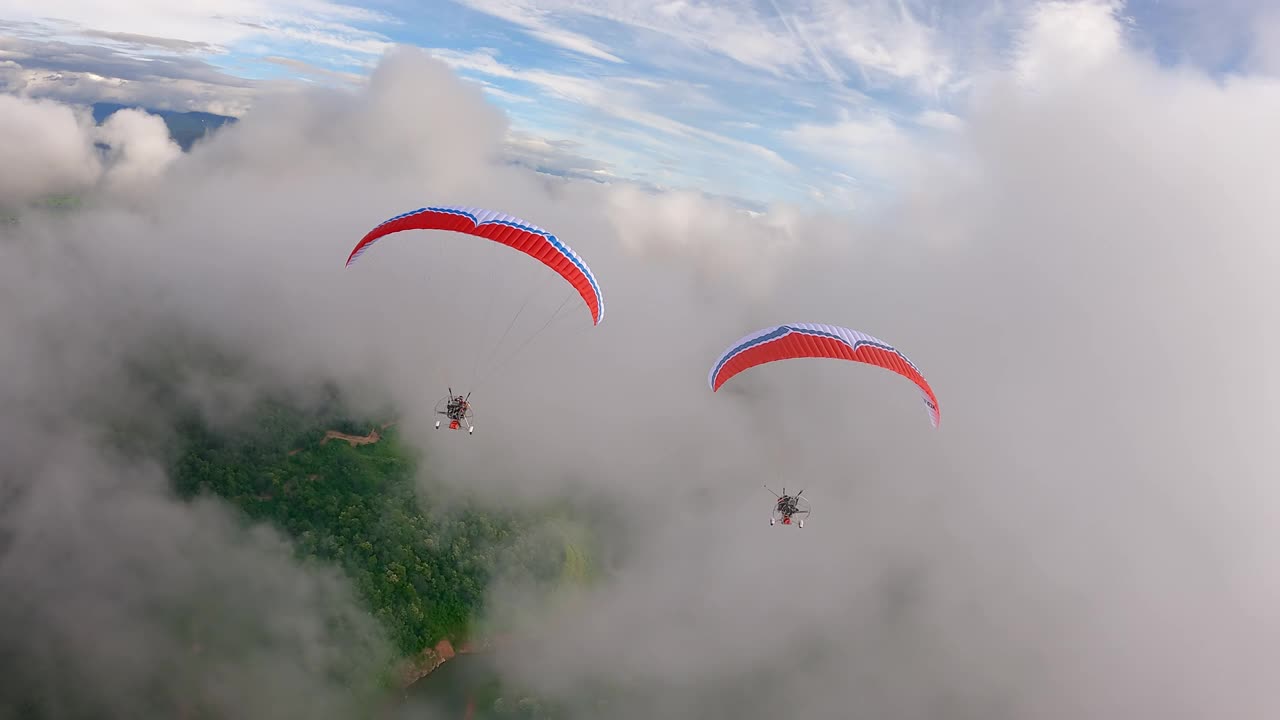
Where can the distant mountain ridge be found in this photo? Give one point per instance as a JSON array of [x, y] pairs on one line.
[[185, 127]]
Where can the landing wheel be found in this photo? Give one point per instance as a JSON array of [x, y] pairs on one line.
[[437, 424], [772, 522], [471, 431], [803, 510]]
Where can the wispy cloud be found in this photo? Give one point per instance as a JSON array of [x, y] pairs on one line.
[[537, 22], [307, 69], [80, 73], [818, 56], [211, 23], [765, 83], [776, 98], [823, 39], [685, 91], [563, 157], [615, 99], [150, 41]]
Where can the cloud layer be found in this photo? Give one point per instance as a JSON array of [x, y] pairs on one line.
[[50, 148], [1084, 276]]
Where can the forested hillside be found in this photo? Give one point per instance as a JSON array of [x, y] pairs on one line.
[[344, 490]]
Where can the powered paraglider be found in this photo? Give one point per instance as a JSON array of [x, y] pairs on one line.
[[807, 340]]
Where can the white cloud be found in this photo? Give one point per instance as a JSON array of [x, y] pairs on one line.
[[1064, 40], [308, 69], [802, 42], [45, 147], [609, 99], [821, 39], [143, 42], [561, 155], [508, 96], [533, 18], [212, 22], [885, 38], [801, 34], [939, 120], [1060, 42], [721, 243], [48, 148], [87, 74], [868, 146], [161, 94], [735, 30], [139, 148]]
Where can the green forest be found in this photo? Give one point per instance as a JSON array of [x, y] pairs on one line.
[[422, 568]]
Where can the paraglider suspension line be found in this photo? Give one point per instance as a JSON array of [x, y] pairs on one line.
[[479, 350], [532, 337], [510, 325]]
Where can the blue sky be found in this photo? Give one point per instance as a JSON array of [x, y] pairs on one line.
[[762, 100]]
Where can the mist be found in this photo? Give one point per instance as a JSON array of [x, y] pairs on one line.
[[1082, 271]]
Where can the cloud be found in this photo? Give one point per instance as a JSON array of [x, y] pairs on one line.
[[686, 66], [1080, 538], [85, 74], [150, 41], [220, 24], [885, 38], [825, 40], [50, 148], [162, 57], [60, 56], [874, 145], [939, 120], [559, 156], [139, 147], [713, 240], [534, 20], [307, 69], [606, 97], [1066, 39], [45, 148], [780, 65], [875, 152]]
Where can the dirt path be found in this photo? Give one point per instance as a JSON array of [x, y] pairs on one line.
[[353, 440], [426, 662], [432, 658]]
